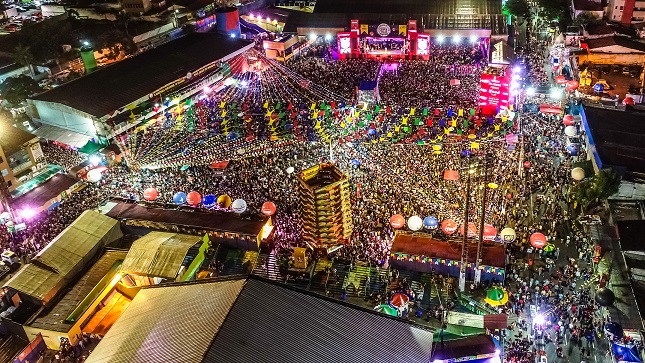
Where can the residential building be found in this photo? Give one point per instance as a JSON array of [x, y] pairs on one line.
[[626, 11]]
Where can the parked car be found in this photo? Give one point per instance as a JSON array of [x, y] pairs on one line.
[[9, 257]]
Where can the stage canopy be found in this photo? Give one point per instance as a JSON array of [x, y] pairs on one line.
[[64, 257], [158, 254], [170, 323]]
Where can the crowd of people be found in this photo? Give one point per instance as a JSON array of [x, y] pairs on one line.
[[272, 121]]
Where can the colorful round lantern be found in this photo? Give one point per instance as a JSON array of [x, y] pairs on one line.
[[578, 173], [538, 240], [568, 120], [150, 194], [490, 232], [397, 221], [449, 226], [472, 230], [527, 164], [238, 206], [430, 222], [415, 223], [224, 201], [507, 235], [598, 87], [268, 208], [560, 80], [570, 131], [628, 101], [571, 86], [193, 198], [209, 201], [179, 198]]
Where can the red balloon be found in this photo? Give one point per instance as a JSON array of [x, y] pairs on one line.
[[472, 230], [150, 194], [449, 226], [560, 79], [268, 208], [490, 232], [193, 198], [628, 101], [527, 164], [538, 240], [568, 120], [571, 86], [397, 221]]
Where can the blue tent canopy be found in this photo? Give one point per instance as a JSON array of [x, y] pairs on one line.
[[626, 352]]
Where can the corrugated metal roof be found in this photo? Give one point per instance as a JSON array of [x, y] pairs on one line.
[[273, 323], [158, 254], [174, 323], [109, 89], [65, 256]]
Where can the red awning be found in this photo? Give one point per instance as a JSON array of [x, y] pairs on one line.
[[550, 109], [219, 164]]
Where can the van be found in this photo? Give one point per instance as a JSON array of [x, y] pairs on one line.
[[9, 257]]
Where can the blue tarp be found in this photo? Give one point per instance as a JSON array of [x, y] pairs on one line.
[[626, 352]]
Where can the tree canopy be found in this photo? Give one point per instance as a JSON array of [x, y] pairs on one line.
[[518, 8], [596, 189], [16, 89]]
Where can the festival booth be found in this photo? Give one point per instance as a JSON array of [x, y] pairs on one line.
[[384, 41], [419, 252]]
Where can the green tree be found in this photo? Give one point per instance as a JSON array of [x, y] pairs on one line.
[[23, 56], [596, 189], [586, 17], [16, 89], [519, 8]]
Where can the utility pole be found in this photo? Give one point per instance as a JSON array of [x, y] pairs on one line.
[[478, 271], [464, 250]]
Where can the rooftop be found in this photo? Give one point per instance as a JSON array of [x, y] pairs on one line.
[[410, 7], [616, 40], [54, 318], [45, 192], [158, 254], [115, 86], [619, 138], [215, 221], [12, 138]]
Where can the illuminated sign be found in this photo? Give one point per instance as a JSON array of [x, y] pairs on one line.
[[494, 91], [345, 45], [383, 30], [422, 46]]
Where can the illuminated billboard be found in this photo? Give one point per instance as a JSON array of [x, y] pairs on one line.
[[494, 93]]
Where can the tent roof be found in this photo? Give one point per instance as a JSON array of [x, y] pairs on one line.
[[307, 328], [166, 322], [57, 263], [158, 254]]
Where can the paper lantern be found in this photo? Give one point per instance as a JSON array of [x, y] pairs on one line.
[[224, 201], [179, 198], [290, 170], [573, 149], [451, 175], [570, 131], [209, 201], [527, 164], [507, 235], [397, 221], [605, 297], [150, 194], [94, 175], [430, 222], [415, 223], [578, 173], [449, 226], [268, 208], [598, 87], [238, 206], [472, 230], [490, 232], [569, 120], [628, 101], [571, 86], [231, 136], [560, 79], [193, 198], [538, 240]]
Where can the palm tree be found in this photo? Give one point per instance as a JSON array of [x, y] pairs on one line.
[[23, 56]]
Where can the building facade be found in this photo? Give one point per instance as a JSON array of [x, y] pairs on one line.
[[325, 206]]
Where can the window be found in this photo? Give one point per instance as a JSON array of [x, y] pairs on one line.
[[5, 172], [616, 8], [621, 8], [9, 183]]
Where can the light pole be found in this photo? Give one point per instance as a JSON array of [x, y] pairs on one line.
[[478, 271]]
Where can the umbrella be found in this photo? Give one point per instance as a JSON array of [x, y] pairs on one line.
[[496, 296], [399, 300], [550, 247], [386, 309]]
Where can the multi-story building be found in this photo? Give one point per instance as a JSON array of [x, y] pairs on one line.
[[21, 159], [626, 11], [325, 206]]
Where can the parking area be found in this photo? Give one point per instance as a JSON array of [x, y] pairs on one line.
[[621, 79]]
